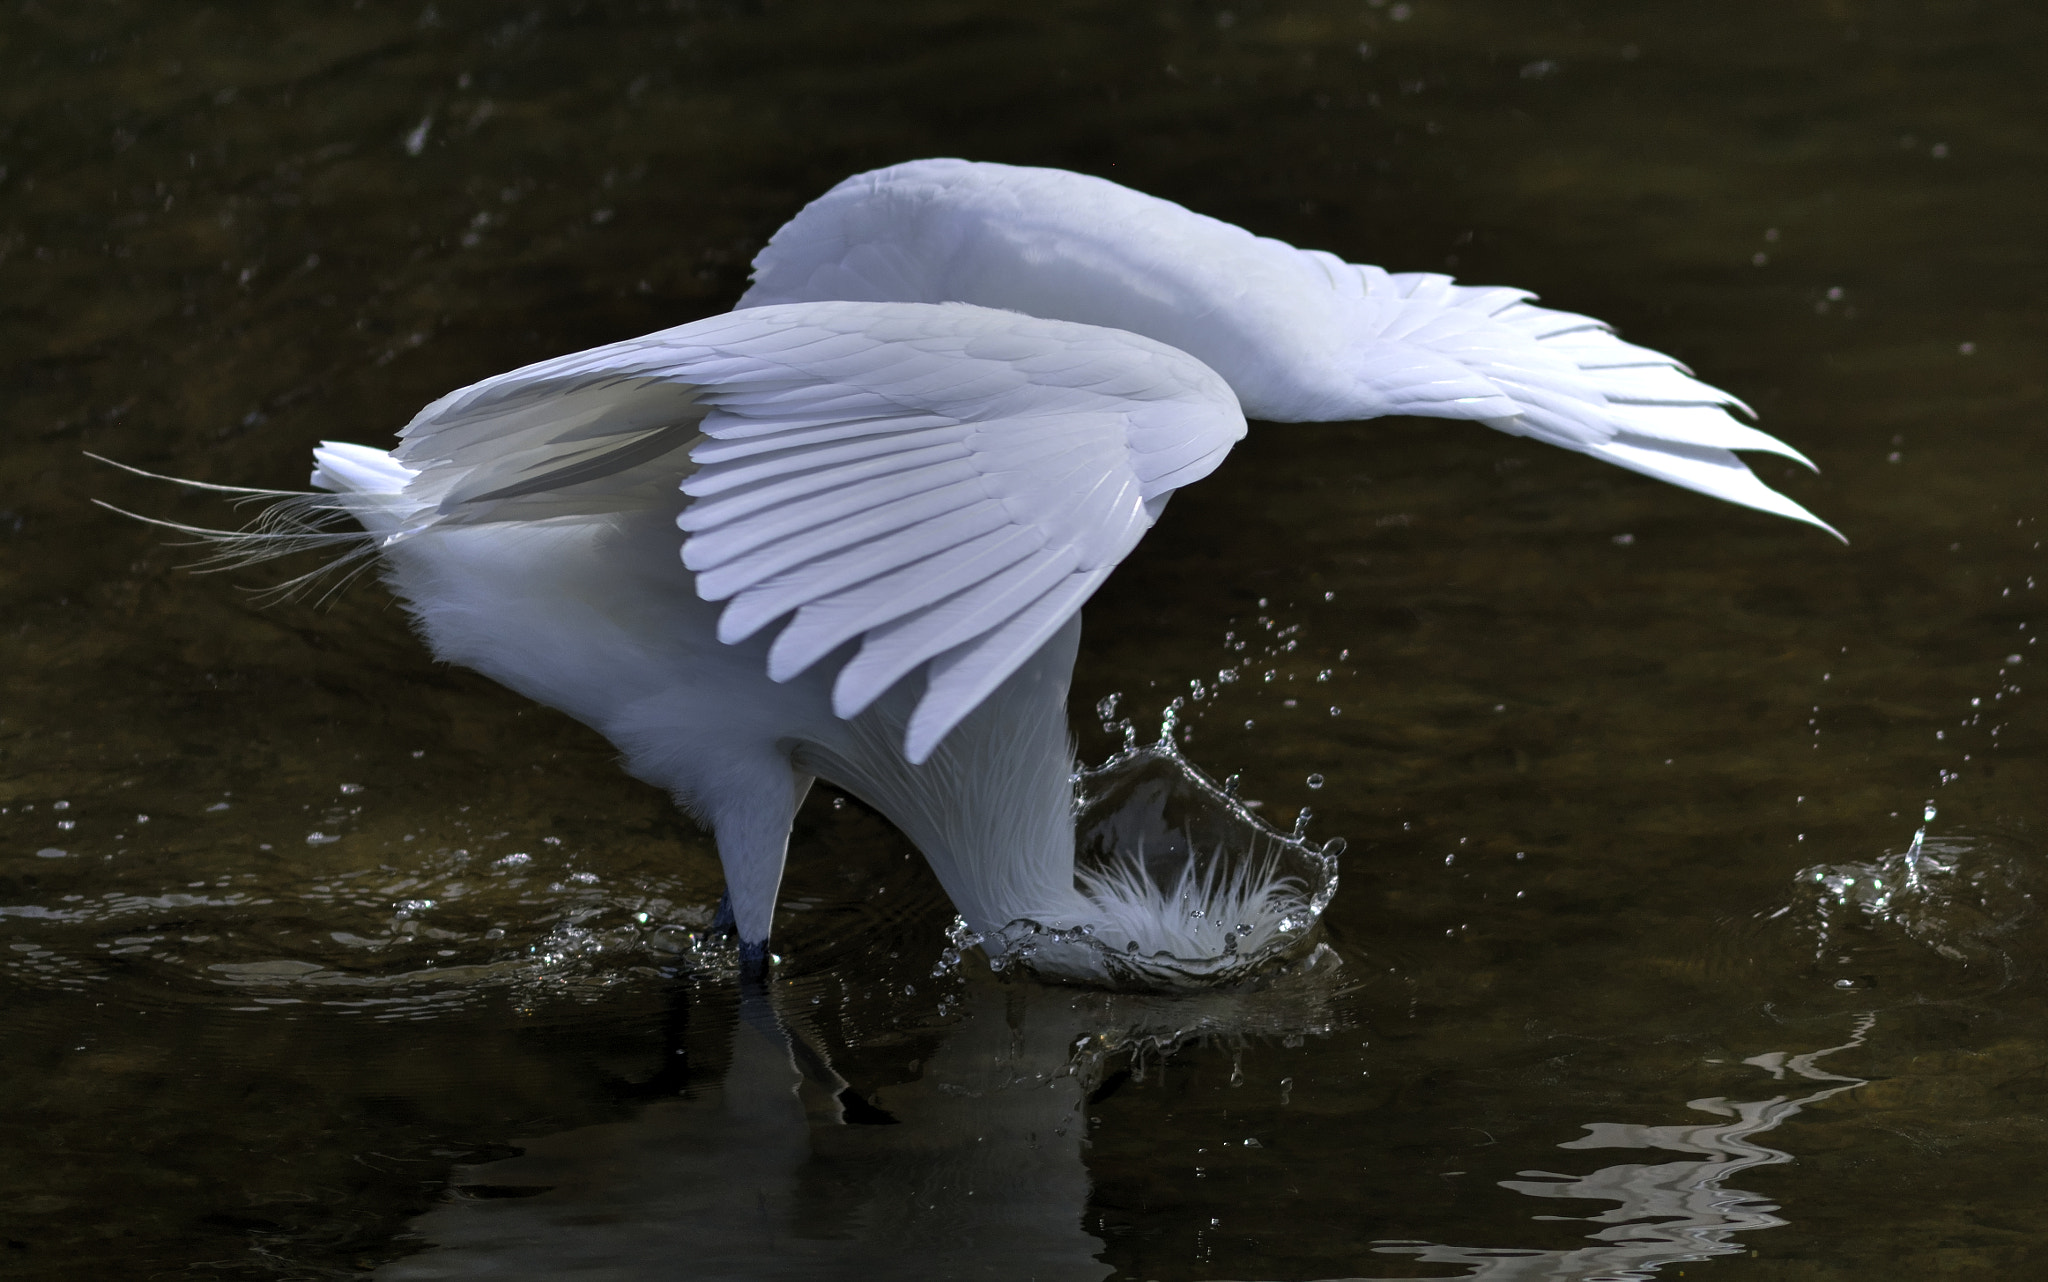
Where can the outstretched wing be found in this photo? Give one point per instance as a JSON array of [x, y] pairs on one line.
[[1299, 335], [944, 484], [1440, 349]]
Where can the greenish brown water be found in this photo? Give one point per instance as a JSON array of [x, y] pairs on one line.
[[1608, 755]]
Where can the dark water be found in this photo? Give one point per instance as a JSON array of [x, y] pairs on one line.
[[1632, 973]]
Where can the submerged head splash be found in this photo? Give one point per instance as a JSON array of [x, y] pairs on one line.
[[1187, 885]]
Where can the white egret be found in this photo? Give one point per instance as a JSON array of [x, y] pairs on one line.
[[890, 501]]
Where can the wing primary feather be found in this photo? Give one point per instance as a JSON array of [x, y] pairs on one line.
[[820, 516], [755, 604], [823, 625], [961, 679], [720, 579], [1707, 470], [733, 503], [723, 470], [890, 652]]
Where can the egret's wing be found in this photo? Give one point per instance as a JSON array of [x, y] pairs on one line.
[[1298, 335], [948, 485], [1561, 378], [569, 436], [945, 485]]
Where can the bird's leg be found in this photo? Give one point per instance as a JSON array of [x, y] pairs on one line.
[[752, 828]]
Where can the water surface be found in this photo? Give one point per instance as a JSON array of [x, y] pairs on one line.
[[1636, 969]]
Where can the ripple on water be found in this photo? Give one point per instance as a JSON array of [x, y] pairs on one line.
[[1947, 912], [1968, 899], [388, 941]]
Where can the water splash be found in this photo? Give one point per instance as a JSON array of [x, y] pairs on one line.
[[1190, 887], [1955, 895]]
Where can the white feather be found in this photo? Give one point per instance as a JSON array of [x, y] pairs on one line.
[[1300, 335], [1009, 461]]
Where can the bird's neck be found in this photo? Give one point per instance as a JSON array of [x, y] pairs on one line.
[[992, 809]]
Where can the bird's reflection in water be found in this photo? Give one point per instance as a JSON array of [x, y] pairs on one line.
[[1669, 1212], [771, 1173], [780, 1170]]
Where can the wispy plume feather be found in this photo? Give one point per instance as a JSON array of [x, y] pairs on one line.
[[291, 522]]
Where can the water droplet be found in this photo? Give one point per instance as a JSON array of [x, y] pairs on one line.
[[1315, 781]]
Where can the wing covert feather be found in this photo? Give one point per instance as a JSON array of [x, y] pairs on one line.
[[943, 483], [949, 502]]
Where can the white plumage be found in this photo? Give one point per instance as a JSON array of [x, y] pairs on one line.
[[890, 501], [1300, 335]]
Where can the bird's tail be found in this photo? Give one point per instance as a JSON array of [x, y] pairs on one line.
[[356, 486]]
